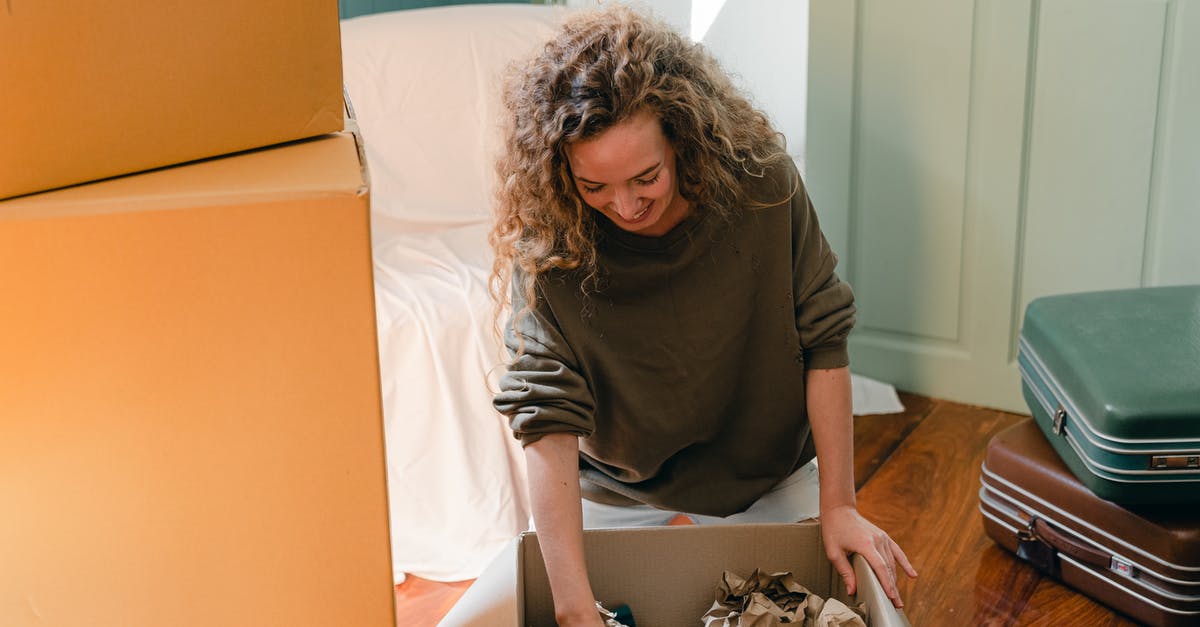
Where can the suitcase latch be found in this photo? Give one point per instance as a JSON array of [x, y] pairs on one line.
[[1166, 462], [1121, 567], [1060, 416]]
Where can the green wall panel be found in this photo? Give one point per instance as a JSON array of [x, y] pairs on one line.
[[986, 153], [352, 8], [1095, 104], [910, 151]]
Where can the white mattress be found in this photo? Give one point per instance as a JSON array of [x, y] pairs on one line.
[[424, 85], [456, 476]]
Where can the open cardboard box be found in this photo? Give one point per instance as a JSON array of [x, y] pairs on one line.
[[667, 575]]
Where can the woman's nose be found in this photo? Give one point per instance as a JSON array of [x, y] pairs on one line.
[[625, 204]]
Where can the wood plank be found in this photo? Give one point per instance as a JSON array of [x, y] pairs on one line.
[[1055, 604], [1003, 587], [422, 603], [876, 437], [1010, 592], [926, 497]]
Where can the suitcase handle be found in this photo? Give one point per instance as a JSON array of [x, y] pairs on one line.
[[1047, 533]]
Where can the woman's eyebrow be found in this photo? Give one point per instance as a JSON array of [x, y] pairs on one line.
[[635, 176]]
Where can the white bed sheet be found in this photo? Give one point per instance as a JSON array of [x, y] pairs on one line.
[[425, 86], [456, 476]]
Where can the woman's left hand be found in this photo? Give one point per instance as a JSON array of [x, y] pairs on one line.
[[845, 531]]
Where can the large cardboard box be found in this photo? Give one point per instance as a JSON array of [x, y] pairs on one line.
[[98, 89], [190, 417], [667, 575]]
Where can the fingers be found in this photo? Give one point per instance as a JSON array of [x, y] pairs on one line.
[[883, 544], [887, 580], [846, 533], [842, 565], [881, 563]]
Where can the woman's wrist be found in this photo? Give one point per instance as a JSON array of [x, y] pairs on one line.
[[576, 611]]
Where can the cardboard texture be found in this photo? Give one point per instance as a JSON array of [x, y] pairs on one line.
[[191, 418], [99, 89], [667, 575]]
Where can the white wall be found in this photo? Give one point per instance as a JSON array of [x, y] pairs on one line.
[[978, 155], [761, 43]]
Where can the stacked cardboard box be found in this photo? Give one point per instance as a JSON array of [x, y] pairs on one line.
[[99, 89], [189, 398], [190, 415]]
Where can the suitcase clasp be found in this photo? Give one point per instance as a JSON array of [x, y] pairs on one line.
[[1060, 416], [1165, 462], [1121, 567]]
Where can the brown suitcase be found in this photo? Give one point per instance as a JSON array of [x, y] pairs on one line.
[[1143, 560]]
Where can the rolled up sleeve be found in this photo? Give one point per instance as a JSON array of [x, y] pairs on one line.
[[544, 390], [825, 310]]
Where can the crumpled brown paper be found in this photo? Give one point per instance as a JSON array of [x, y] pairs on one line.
[[767, 600], [609, 618]]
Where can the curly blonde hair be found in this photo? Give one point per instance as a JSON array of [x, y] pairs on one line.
[[602, 68]]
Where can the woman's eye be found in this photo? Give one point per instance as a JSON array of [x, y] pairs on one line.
[[649, 181], [592, 190]]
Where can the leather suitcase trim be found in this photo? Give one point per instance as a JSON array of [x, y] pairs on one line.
[[1126, 589], [1035, 505], [1123, 593]]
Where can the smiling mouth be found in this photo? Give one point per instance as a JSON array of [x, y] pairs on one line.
[[639, 215]]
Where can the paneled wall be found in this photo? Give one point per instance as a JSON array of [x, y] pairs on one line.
[[974, 156], [354, 8]]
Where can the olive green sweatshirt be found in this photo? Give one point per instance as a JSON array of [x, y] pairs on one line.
[[683, 373]]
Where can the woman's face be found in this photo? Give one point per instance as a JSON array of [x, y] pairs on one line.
[[628, 173]]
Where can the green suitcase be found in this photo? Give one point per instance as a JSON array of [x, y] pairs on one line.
[[1113, 380]]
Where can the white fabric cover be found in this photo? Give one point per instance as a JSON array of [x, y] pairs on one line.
[[456, 476], [425, 88]]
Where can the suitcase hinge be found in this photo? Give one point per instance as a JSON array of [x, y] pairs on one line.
[[1060, 416], [1164, 462]]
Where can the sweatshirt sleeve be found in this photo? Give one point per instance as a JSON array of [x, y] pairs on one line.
[[543, 391], [824, 303]]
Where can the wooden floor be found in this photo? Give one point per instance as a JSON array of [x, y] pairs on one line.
[[917, 476]]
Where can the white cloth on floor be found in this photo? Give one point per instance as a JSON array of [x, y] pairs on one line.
[[873, 397]]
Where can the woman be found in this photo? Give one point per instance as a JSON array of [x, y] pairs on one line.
[[678, 333]]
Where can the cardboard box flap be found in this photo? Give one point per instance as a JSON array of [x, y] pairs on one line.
[[325, 166], [880, 611]]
